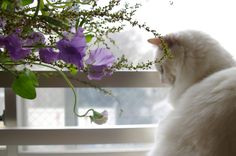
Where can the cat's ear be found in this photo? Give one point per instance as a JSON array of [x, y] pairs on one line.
[[170, 40], [155, 41]]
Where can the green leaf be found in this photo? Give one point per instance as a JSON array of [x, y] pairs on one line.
[[77, 23], [97, 115], [25, 83], [4, 4], [88, 38], [54, 22], [43, 8], [27, 30], [32, 76], [26, 2]]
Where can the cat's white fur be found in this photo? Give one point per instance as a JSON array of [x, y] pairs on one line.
[[203, 79]]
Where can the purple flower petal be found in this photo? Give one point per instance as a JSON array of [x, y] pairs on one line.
[[19, 54], [12, 42], [69, 53], [79, 40], [47, 55], [99, 62], [97, 72], [14, 47], [34, 39], [73, 51], [101, 56]]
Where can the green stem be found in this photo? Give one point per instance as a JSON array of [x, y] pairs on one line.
[[37, 10], [4, 68], [67, 81], [82, 22], [39, 46], [86, 113], [71, 86], [56, 6], [51, 27]]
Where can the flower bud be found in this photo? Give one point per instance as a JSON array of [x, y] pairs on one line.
[[99, 118]]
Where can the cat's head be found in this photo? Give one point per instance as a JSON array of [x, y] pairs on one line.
[[195, 55], [167, 66]]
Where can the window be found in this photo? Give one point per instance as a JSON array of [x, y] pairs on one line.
[[129, 115], [138, 93], [126, 106]]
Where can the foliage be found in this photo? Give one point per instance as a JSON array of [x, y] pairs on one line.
[[59, 34]]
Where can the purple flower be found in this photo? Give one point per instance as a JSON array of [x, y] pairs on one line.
[[47, 55], [34, 39], [99, 62], [13, 45], [73, 51]]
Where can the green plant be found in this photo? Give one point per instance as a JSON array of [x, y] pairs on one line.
[[57, 34]]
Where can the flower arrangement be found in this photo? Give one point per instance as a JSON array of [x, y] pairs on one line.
[[60, 34]]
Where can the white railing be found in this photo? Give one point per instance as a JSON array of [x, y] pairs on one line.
[[12, 136], [75, 135], [118, 79]]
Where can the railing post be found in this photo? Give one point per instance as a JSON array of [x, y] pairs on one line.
[[10, 108], [10, 117]]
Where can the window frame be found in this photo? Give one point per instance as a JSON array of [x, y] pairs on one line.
[[117, 134]]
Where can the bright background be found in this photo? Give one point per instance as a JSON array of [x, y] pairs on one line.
[[214, 17]]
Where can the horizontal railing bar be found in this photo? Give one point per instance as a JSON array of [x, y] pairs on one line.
[[118, 79], [63, 136], [138, 153]]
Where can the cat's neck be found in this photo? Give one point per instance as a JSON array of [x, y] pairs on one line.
[[179, 88], [194, 74]]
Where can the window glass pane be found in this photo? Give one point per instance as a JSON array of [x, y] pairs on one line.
[[47, 110], [2, 104], [1, 100], [54, 107]]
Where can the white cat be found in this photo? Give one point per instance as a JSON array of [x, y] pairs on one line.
[[203, 94]]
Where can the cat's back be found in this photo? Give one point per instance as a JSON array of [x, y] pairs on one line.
[[203, 124], [222, 82]]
